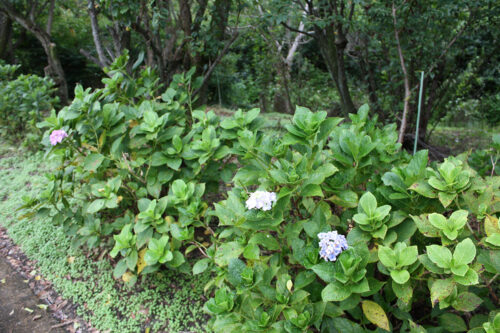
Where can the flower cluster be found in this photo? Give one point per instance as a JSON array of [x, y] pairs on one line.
[[261, 200], [331, 245], [57, 136]]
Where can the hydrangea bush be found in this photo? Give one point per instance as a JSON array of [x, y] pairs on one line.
[[330, 227], [361, 236]]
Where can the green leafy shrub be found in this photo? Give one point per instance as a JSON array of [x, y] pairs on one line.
[[136, 166], [416, 237], [24, 101], [328, 227]]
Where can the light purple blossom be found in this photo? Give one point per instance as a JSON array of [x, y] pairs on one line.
[[331, 245], [261, 200], [57, 136]]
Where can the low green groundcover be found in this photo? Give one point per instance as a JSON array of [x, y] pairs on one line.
[[168, 301]]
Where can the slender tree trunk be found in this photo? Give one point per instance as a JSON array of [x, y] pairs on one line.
[[94, 24], [54, 68], [5, 36], [336, 68], [406, 105], [50, 19]]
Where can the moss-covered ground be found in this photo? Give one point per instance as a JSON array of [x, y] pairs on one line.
[[165, 301]]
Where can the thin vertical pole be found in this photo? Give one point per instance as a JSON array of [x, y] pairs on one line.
[[418, 114]]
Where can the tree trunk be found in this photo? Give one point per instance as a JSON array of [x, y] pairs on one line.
[[330, 54], [5, 36], [50, 19], [406, 105], [55, 67], [284, 74], [94, 24]]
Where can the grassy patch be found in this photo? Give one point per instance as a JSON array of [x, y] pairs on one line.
[[165, 301], [460, 139]]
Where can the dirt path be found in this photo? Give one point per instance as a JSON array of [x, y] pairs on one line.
[[19, 311]]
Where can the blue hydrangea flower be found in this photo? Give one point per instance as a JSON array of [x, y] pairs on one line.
[[331, 245]]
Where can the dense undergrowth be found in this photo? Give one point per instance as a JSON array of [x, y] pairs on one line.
[[327, 227], [168, 301]]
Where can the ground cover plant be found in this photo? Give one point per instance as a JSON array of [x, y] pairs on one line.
[[160, 302], [329, 226]]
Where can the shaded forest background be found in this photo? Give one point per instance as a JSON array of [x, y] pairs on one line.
[[331, 55]]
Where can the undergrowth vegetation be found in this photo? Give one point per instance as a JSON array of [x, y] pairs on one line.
[[328, 227], [159, 303], [24, 101]]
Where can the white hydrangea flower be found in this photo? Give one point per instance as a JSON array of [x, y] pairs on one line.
[[261, 200]]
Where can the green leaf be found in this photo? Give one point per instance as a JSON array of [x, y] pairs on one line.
[[345, 198], [311, 190], [424, 226], [422, 188], [438, 220], [120, 268], [335, 292], [368, 203], [408, 256], [465, 252], [96, 206], [375, 314], [235, 268], [387, 256], [226, 252], [440, 289], [201, 266], [158, 159], [251, 251], [304, 279], [494, 239], [439, 255], [467, 301], [325, 271], [93, 161], [470, 278], [177, 259], [446, 198], [452, 322], [400, 276], [404, 292]]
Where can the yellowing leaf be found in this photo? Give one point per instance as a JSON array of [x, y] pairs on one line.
[[70, 260], [102, 139], [89, 147], [289, 285], [133, 123], [127, 277], [141, 263], [375, 314], [491, 225]]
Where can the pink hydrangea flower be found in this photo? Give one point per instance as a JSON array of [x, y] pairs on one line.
[[57, 136]]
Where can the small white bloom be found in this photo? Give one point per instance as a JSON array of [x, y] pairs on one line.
[[261, 200]]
